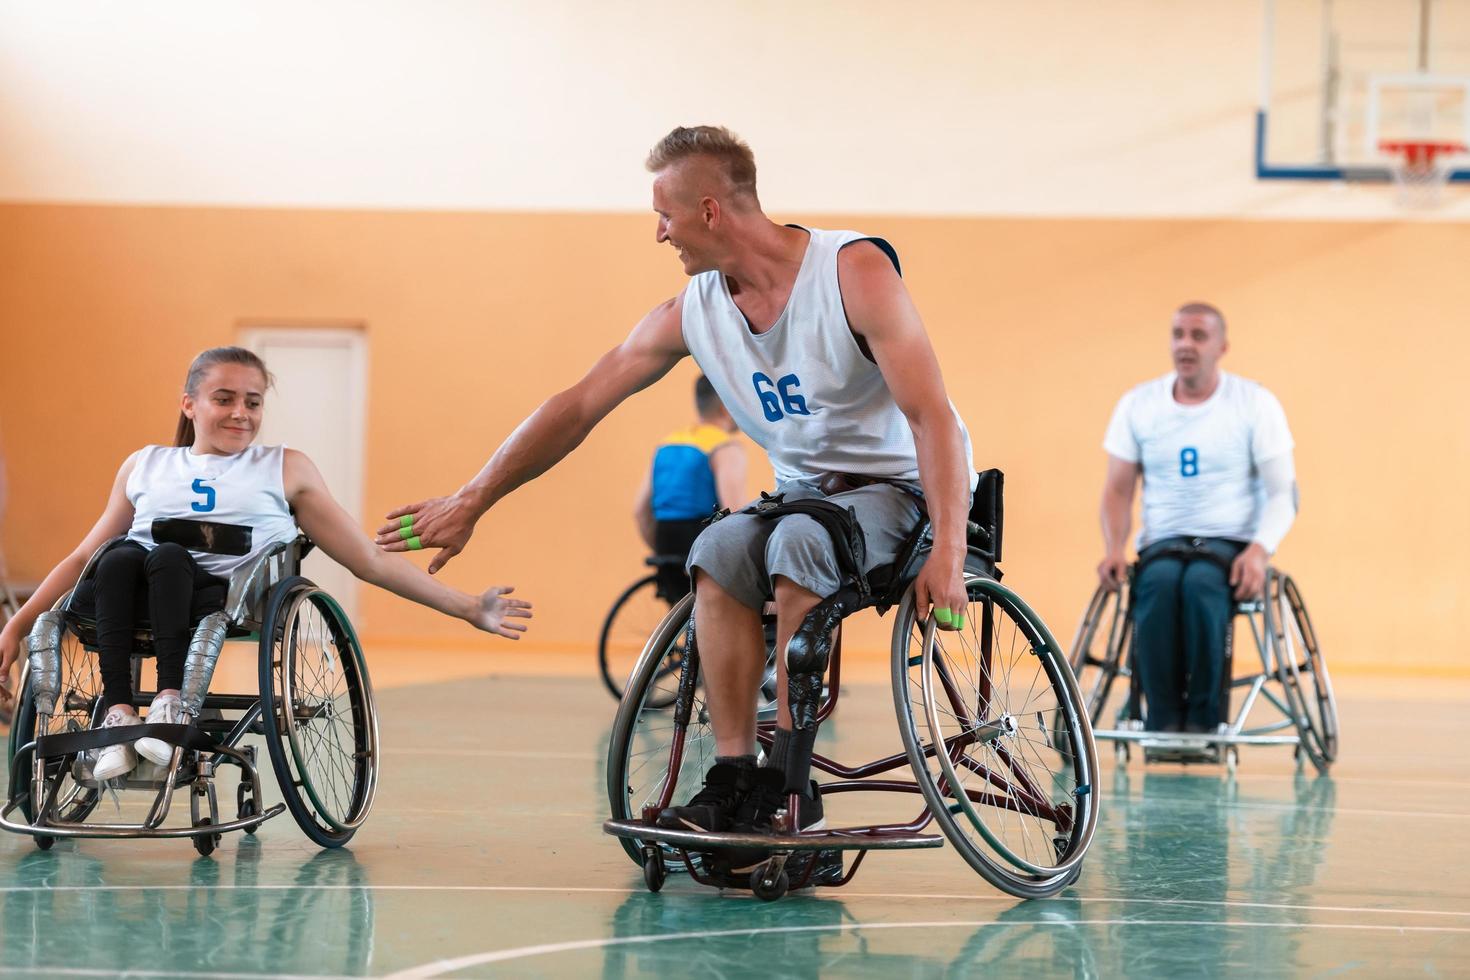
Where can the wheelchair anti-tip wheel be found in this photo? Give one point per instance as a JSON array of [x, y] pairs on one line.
[[317, 711], [1011, 776]]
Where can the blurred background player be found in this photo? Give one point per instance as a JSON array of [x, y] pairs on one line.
[[696, 470], [1214, 451]]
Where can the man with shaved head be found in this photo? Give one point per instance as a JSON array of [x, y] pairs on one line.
[[813, 345], [1215, 455]]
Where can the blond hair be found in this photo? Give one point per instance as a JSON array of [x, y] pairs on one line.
[[717, 142]]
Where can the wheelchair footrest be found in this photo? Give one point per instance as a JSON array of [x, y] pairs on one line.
[[841, 839]]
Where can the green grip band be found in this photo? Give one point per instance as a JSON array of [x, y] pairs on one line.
[[414, 544], [944, 616], [405, 533], [959, 620], [406, 521]]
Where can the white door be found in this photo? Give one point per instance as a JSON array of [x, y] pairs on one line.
[[317, 406]]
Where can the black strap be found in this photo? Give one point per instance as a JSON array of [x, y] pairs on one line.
[[190, 737], [1187, 550], [840, 523]]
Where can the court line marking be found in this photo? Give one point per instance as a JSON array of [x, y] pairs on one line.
[[496, 753], [440, 967], [75, 971], [579, 889], [1298, 808]]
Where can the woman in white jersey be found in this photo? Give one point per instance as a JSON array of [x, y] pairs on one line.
[[242, 496]]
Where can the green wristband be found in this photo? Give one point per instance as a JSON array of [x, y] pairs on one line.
[[406, 521], [944, 617], [414, 544]]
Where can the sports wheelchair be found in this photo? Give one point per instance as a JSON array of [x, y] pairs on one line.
[[993, 727], [1293, 677], [314, 709]]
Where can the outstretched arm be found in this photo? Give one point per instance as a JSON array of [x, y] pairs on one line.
[[881, 313], [543, 439], [116, 518], [334, 531]]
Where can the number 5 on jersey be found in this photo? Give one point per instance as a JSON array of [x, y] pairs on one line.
[[207, 492], [780, 396]]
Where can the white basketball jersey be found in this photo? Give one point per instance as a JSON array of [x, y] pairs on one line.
[[244, 489], [1200, 462], [803, 390]]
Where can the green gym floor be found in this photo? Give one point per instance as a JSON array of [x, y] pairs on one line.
[[484, 857]]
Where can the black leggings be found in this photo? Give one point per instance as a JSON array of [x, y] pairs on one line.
[[178, 594]]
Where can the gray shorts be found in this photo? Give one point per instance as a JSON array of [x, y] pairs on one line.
[[743, 552]]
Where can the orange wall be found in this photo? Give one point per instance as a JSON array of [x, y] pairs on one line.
[[472, 318]]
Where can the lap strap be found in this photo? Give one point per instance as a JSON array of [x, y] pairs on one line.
[[188, 736], [840, 523]]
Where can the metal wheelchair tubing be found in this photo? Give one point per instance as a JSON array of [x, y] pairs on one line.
[[1077, 718], [288, 699]]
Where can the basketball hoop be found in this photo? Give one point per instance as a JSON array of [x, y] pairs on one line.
[[1420, 169]]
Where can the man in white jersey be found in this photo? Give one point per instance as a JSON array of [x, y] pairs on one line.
[[1214, 451], [815, 348]]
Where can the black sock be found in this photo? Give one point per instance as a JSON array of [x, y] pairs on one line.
[[739, 761], [780, 747]]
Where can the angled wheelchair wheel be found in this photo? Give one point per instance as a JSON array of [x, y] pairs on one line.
[[1011, 786], [78, 708], [1098, 649], [631, 620], [642, 767], [317, 710], [1302, 670]]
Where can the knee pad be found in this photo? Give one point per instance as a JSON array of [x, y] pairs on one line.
[[810, 647]]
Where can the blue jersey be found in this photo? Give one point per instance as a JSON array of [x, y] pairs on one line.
[[683, 482]]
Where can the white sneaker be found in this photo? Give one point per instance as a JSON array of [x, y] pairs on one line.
[[166, 709], [116, 760]]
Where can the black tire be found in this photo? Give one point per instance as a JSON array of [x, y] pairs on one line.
[[655, 871], [631, 620], [1028, 820], [247, 809], [644, 732], [205, 843], [45, 843], [324, 748], [78, 707], [768, 888], [1302, 670]]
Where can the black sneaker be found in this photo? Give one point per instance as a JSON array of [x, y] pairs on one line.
[[767, 795], [713, 808]]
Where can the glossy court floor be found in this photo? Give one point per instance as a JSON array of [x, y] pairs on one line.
[[484, 857]]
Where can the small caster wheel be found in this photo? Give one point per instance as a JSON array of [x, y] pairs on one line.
[[205, 843], [768, 887], [1120, 753], [654, 871], [247, 809], [44, 843], [1232, 759]]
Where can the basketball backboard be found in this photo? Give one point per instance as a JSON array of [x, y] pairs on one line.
[[1342, 78]]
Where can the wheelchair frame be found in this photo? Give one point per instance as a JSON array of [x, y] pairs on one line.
[[1016, 791], [266, 602], [1290, 656]]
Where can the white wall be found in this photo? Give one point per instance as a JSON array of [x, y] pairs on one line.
[[973, 107]]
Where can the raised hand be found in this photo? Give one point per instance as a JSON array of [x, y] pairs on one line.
[[495, 609]]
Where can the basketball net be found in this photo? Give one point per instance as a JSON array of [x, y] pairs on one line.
[[1420, 169]]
